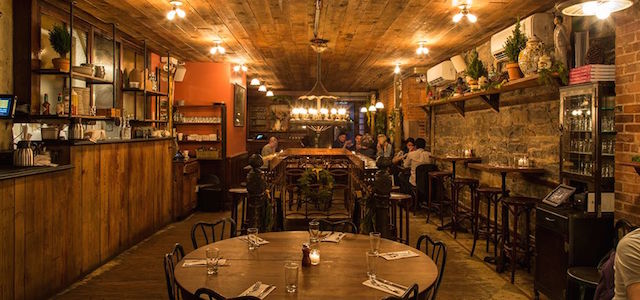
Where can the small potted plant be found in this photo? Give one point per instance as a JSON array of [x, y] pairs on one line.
[[475, 70], [60, 40], [512, 47]]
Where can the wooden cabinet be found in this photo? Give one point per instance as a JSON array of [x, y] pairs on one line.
[[185, 181]]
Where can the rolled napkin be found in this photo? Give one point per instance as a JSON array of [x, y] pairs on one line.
[[201, 262], [399, 255], [334, 237], [259, 290], [386, 286], [261, 241]]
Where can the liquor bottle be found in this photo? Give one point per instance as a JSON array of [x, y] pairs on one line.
[[46, 105], [60, 105]]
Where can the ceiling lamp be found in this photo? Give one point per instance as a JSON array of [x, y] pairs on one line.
[[602, 9], [217, 48], [239, 67], [397, 68], [372, 108], [464, 6], [262, 88], [363, 109], [255, 82], [269, 94], [422, 50], [318, 92], [379, 105], [175, 10]]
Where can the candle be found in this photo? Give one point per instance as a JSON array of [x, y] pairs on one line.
[[314, 256]]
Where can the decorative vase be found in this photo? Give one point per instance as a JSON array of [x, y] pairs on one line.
[[514, 71], [61, 64], [529, 56]]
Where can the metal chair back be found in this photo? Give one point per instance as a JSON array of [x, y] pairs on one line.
[[171, 259], [203, 227], [437, 250]]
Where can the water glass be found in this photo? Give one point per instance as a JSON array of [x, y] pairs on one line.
[[291, 277], [374, 241], [213, 255], [371, 264], [252, 238], [314, 231]]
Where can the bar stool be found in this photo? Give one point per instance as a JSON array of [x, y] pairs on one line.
[[518, 244], [341, 182], [291, 186], [399, 201], [438, 178], [458, 214], [490, 230], [237, 195]]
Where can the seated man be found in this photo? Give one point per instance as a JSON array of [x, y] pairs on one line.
[[270, 148], [358, 143], [413, 159], [627, 267], [342, 142]]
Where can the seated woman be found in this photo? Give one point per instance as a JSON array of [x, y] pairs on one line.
[[412, 160], [407, 146], [384, 149]]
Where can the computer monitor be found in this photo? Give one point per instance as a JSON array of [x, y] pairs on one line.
[[7, 106]]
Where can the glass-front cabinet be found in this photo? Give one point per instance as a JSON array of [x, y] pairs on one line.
[[587, 119]]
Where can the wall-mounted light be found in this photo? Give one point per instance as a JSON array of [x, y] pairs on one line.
[[269, 94], [255, 82], [262, 88], [422, 50], [239, 67], [397, 68], [602, 9], [464, 6], [379, 105], [217, 48], [363, 109], [372, 108], [175, 10]]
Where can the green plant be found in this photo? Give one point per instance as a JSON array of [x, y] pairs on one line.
[[60, 40], [547, 76], [368, 223], [636, 158], [515, 43], [475, 68], [380, 123], [316, 185]]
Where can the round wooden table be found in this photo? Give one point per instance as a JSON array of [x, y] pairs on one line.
[[339, 275]]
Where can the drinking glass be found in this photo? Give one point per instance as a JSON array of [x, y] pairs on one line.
[[252, 238], [314, 231], [213, 255], [291, 277], [374, 241], [371, 264]]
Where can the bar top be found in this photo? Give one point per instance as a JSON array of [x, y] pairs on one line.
[[359, 160], [108, 141], [14, 172]]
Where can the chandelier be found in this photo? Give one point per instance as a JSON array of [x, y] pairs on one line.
[[464, 6]]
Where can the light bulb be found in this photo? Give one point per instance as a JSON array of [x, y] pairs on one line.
[[213, 50], [334, 111], [363, 109], [472, 18], [303, 111], [457, 17], [269, 94], [221, 49], [379, 105], [262, 88], [313, 111], [397, 69], [255, 82], [244, 68], [342, 111], [171, 15], [372, 108], [180, 12], [324, 111], [236, 68]]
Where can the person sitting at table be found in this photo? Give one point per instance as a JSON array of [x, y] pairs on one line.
[[413, 159], [270, 148], [384, 149], [342, 142], [407, 146], [358, 142], [366, 146], [627, 267]]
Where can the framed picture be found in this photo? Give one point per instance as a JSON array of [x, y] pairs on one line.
[[559, 195], [239, 101]]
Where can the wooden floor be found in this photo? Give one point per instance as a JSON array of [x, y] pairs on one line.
[[138, 273]]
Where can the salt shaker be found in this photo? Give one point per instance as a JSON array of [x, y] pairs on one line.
[[306, 260]]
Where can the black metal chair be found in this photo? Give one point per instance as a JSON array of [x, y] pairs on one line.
[[215, 296], [407, 294], [340, 225], [422, 185], [203, 226], [171, 259], [437, 250]]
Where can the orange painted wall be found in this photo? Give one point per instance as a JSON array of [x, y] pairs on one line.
[[208, 82]]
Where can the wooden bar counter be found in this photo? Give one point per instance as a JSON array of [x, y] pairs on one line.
[[59, 225]]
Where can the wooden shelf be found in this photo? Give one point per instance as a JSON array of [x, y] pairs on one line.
[[148, 121], [196, 123], [59, 119], [147, 92], [75, 75], [635, 165], [214, 105], [201, 142]]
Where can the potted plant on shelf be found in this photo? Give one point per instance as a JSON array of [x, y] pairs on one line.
[[475, 71], [512, 47], [60, 40]]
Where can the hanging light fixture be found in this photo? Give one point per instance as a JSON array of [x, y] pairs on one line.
[[217, 48], [397, 68], [422, 50], [175, 10], [262, 88], [269, 94], [255, 82], [239, 67], [602, 9], [363, 109], [464, 6], [372, 108], [379, 105]]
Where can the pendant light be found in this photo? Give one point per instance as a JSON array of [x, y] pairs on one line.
[[363, 109], [255, 82], [175, 10], [262, 88], [602, 9], [422, 50], [397, 68], [464, 6], [379, 105], [372, 108], [217, 48], [239, 67], [269, 94]]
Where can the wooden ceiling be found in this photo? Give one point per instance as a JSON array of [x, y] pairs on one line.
[[366, 37]]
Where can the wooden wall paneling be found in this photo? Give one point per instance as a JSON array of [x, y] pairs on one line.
[[164, 169], [7, 231], [34, 240], [19, 237], [91, 206], [119, 208], [76, 242], [108, 194]]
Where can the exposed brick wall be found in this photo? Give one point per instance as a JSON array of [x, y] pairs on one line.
[[413, 94], [627, 185]]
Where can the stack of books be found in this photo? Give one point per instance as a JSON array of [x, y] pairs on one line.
[[592, 73]]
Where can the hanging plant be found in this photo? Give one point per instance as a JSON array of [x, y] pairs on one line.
[[316, 186]]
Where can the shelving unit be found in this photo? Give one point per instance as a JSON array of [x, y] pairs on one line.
[[219, 128]]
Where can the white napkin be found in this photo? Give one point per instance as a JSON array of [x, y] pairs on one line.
[[399, 255], [334, 237], [261, 292], [261, 241], [386, 286], [201, 262]]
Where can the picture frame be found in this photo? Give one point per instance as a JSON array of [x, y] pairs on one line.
[[559, 195], [239, 103]]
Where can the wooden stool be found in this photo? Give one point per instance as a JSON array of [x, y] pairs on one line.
[[238, 194], [401, 202], [459, 215], [439, 204], [517, 244], [490, 230]]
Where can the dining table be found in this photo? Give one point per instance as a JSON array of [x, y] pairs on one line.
[[339, 275]]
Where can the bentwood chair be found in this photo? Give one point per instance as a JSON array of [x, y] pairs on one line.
[[171, 259], [407, 294], [204, 226], [437, 250], [345, 225], [215, 296]]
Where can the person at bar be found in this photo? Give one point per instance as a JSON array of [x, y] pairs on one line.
[[270, 148], [384, 149], [413, 159], [627, 267], [366, 146], [342, 142], [358, 143]]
